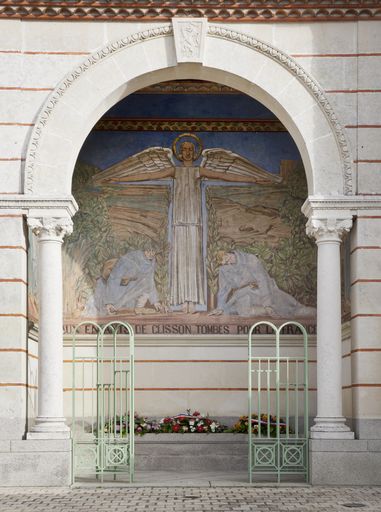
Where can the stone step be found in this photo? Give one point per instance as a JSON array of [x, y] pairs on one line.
[[192, 452], [187, 462]]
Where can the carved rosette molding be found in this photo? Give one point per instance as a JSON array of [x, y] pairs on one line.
[[328, 229], [163, 10], [314, 88], [216, 31], [51, 228], [64, 85]]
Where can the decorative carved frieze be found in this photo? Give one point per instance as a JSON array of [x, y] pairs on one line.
[[187, 87], [51, 228], [214, 10], [191, 125]]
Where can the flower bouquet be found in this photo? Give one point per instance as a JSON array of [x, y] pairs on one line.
[[190, 423], [263, 424], [142, 426]]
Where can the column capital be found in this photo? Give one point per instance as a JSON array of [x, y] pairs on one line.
[[53, 228], [328, 228]]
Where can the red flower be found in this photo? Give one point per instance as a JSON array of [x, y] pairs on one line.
[[196, 413], [200, 428], [167, 420], [176, 428]]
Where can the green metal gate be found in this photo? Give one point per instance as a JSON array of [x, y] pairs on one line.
[[103, 401], [277, 408]]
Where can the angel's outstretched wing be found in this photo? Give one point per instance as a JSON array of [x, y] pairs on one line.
[[233, 167], [152, 163]]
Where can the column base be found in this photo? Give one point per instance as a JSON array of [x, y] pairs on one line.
[[331, 428], [49, 428]]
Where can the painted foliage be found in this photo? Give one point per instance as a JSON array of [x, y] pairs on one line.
[[189, 219]]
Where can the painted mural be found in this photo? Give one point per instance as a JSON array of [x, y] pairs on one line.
[[189, 219]]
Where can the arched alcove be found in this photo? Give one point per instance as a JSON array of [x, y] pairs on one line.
[[148, 57]]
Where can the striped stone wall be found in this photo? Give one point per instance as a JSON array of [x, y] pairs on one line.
[[345, 58]]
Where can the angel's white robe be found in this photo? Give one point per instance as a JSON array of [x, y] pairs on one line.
[[187, 275]]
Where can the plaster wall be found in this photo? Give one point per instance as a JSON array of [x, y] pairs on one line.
[[206, 374]]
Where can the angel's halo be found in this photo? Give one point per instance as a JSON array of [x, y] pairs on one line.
[[194, 138]]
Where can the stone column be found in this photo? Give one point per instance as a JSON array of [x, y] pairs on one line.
[[50, 423], [329, 422]]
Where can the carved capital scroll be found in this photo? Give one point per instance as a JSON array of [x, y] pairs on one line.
[[51, 228], [328, 229]]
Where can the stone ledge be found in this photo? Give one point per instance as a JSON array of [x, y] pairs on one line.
[[35, 469], [192, 439], [5, 446], [338, 445], [41, 445], [374, 445], [345, 468]]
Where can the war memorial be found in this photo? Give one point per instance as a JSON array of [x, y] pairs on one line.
[[190, 240]]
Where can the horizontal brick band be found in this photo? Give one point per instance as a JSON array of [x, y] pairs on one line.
[[29, 52], [22, 350], [17, 385], [241, 361], [367, 161], [352, 91], [369, 216], [12, 159], [192, 389], [16, 124], [334, 55], [366, 315], [11, 216], [367, 385], [14, 247], [16, 315], [361, 350], [365, 281], [13, 280], [363, 126], [366, 248], [29, 89]]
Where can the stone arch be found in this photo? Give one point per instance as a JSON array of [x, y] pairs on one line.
[[229, 57]]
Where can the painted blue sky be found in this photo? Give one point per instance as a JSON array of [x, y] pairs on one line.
[[266, 149]]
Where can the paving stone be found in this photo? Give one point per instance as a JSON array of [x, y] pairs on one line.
[[189, 499]]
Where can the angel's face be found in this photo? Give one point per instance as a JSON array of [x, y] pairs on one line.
[[187, 151]]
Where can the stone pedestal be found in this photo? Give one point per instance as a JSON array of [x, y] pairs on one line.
[[35, 463]]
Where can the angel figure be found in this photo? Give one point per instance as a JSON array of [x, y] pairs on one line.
[[187, 268]]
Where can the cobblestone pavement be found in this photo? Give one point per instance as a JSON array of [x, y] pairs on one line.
[[191, 499]]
